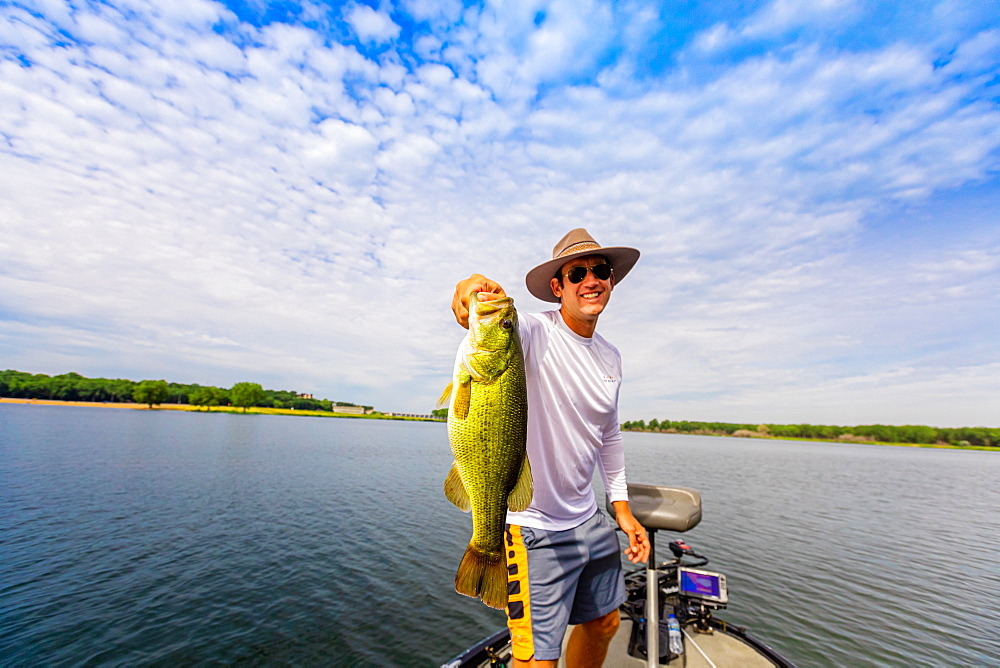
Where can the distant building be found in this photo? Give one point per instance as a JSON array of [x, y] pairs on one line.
[[352, 410], [304, 395], [414, 415]]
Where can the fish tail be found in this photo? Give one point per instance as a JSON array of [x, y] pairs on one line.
[[483, 575]]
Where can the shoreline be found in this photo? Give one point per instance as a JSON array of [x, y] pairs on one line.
[[837, 441], [89, 404], [307, 413], [258, 410]]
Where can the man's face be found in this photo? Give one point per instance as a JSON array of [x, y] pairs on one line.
[[585, 300]]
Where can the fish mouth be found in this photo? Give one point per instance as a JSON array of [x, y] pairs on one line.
[[490, 307], [480, 298]]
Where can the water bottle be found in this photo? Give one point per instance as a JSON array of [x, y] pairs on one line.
[[675, 638]]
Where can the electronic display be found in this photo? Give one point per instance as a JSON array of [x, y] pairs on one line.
[[703, 585]]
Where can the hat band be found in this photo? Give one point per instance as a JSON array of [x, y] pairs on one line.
[[577, 247]]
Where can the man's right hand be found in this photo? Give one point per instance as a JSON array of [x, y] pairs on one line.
[[464, 290]]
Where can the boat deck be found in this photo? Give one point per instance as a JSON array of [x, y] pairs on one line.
[[717, 650]]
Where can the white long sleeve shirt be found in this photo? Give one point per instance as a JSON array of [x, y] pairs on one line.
[[573, 383]]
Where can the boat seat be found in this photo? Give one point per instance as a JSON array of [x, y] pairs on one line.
[[668, 508]]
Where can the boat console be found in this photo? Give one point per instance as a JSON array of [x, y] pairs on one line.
[[678, 509], [678, 586]]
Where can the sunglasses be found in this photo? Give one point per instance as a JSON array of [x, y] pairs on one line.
[[600, 271]]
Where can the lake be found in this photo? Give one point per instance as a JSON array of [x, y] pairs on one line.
[[164, 538]]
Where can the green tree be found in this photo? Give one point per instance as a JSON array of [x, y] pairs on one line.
[[207, 396], [245, 395], [150, 392], [440, 413], [200, 397]]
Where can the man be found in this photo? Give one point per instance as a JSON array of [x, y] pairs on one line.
[[563, 558]]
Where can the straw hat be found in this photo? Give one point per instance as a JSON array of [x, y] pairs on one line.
[[576, 243]]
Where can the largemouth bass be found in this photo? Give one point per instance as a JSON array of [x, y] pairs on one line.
[[487, 425]]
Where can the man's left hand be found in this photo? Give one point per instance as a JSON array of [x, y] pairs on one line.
[[638, 540]]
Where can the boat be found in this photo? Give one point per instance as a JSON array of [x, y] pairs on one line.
[[681, 587]]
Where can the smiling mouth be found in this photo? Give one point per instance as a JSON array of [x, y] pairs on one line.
[[591, 295]]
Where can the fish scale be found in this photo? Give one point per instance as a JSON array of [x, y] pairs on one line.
[[487, 426]]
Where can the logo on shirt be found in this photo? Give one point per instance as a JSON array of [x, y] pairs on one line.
[[610, 379]]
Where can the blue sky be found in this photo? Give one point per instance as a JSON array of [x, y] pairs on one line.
[[287, 193]]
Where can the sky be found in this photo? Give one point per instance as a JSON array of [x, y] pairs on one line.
[[287, 193]]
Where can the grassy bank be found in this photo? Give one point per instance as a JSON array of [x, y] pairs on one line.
[[307, 413], [840, 441], [380, 416], [220, 409], [915, 434]]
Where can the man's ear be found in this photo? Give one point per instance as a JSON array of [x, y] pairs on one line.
[[556, 287]]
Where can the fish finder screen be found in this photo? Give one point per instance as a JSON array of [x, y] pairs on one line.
[[699, 584], [704, 585]]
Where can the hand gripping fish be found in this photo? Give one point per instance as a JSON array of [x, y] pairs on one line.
[[487, 424]]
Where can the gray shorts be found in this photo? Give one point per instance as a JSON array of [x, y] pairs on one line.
[[558, 578]]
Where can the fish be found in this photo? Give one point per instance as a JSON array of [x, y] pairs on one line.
[[487, 429]]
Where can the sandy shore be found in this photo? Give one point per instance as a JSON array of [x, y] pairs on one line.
[[253, 410], [96, 404]]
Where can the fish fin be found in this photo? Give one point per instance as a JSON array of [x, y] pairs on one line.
[[443, 400], [454, 489], [483, 575], [520, 497], [463, 396]]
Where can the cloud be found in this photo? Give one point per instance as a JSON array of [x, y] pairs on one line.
[[777, 18], [438, 12], [370, 25], [520, 46], [343, 153]]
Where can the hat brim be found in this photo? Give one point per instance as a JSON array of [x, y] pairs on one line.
[[538, 280]]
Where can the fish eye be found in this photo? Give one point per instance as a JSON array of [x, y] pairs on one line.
[[505, 323]]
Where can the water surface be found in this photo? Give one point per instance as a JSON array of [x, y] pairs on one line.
[[161, 537]]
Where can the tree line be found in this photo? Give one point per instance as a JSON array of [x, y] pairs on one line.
[[917, 434], [74, 387]]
